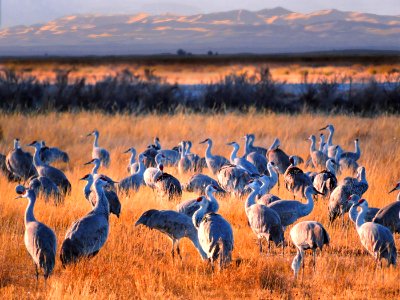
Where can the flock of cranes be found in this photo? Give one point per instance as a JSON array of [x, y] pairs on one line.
[[251, 176]]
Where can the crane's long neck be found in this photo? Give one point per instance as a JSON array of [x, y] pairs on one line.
[[86, 189], [247, 142], [16, 145], [251, 199], [208, 150], [234, 152], [199, 214], [321, 143], [398, 197], [296, 263], [102, 205], [212, 201], [36, 157], [189, 146], [353, 213], [309, 206], [183, 152], [274, 145], [264, 186], [133, 158], [357, 149], [29, 216], [141, 168], [96, 140], [96, 167], [330, 136], [273, 175], [330, 168], [312, 146], [362, 177], [361, 217], [338, 154]]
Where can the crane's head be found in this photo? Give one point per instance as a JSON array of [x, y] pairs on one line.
[[145, 217], [311, 138], [87, 177], [35, 144], [362, 203], [205, 141], [397, 187], [253, 184], [23, 192], [200, 199], [103, 180], [329, 127], [94, 132], [93, 161], [161, 167], [131, 150], [232, 144], [353, 198]]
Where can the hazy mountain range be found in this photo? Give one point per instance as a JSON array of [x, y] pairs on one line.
[[237, 31]]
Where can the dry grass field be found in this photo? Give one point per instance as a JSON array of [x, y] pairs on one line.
[[136, 262]]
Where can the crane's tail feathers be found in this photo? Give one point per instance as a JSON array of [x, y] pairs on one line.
[[326, 237], [225, 256], [68, 253]]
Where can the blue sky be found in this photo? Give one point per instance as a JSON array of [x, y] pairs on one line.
[[26, 12]]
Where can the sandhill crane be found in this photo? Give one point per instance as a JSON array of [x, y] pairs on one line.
[[241, 162], [376, 238], [330, 148], [166, 185], [149, 157], [291, 210], [156, 145], [51, 154], [3, 169], [325, 182], [46, 187], [345, 162], [318, 158], [184, 163], [338, 204], [250, 140], [91, 196], [20, 163], [214, 162], [295, 179], [189, 207], [54, 174], [233, 179], [273, 175], [151, 173], [87, 235], [215, 234], [371, 211], [195, 159], [259, 161], [353, 155], [175, 225], [307, 235], [96, 162], [97, 152], [389, 215], [278, 156], [133, 166], [40, 240], [134, 181], [322, 144], [264, 221], [267, 199], [198, 183]]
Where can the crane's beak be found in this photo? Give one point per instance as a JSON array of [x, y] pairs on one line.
[[88, 163], [89, 134], [127, 151], [203, 141], [20, 196], [391, 191], [324, 128]]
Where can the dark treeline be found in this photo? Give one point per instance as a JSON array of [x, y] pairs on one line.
[[131, 93]]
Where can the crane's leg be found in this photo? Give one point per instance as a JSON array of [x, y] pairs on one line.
[[37, 273], [260, 245], [269, 247], [314, 262], [173, 250], [302, 276], [178, 250]]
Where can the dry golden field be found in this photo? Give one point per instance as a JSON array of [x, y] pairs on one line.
[[136, 262]]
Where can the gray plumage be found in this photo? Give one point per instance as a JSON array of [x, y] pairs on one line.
[[259, 161], [307, 235], [51, 154], [296, 181], [329, 147], [20, 163], [184, 163], [3, 169], [167, 186], [325, 181], [345, 162], [338, 204], [40, 240], [100, 153], [91, 196], [172, 156], [278, 157], [175, 225], [267, 199], [233, 179], [214, 162], [196, 161], [290, 210], [353, 155], [189, 207], [86, 236], [318, 158], [215, 235], [133, 166], [371, 212], [134, 181], [54, 174], [389, 215], [151, 173], [250, 138], [376, 238], [242, 162], [264, 221], [198, 183], [47, 188]]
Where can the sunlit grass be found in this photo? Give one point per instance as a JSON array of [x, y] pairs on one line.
[[136, 262]]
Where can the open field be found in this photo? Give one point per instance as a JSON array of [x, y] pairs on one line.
[[199, 69], [136, 262]]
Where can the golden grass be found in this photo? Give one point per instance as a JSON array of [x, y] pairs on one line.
[[136, 262]]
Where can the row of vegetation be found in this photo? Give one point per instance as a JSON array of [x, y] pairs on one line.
[[147, 93]]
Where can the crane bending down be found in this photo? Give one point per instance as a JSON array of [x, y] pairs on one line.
[[189, 207], [97, 152], [376, 239], [175, 225], [215, 235], [389, 215], [307, 235], [40, 240]]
